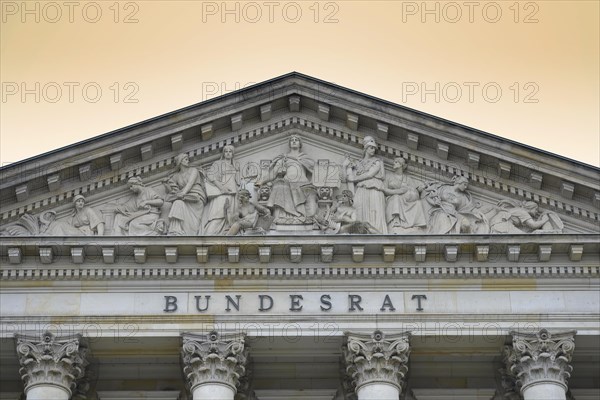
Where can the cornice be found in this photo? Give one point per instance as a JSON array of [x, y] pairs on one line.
[[422, 322], [300, 257]]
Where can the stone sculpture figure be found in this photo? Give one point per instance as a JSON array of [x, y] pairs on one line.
[[86, 219], [187, 194], [453, 210], [44, 224], [368, 175], [404, 210], [247, 215], [325, 193], [293, 200], [83, 221], [263, 193], [345, 214], [139, 216], [223, 180], [524, 217], [290, 188]]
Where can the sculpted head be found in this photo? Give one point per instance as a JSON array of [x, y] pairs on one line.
[[400, 163], [244, 195], [295, 142], [346, 197], [79, 202], [531, 207], [264, 192], [135, 184], [47, 217], [182, 159], [228, 152], [324, 193], [461, 182], [369, 145]]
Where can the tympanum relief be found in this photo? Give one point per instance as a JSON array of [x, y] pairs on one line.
[[297, 191]]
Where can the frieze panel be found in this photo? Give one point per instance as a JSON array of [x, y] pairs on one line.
[[290, 187]]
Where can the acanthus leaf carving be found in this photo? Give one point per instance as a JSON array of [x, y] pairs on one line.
[[52, 360], [245, 387], [377, 358], [214, 358], [540, 357]]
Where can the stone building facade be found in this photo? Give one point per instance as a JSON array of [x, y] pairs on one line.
[[299, 240]]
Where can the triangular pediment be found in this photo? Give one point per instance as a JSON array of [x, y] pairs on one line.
[[504, 178]]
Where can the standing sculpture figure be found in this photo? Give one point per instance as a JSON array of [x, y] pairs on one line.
[[139, 215], [453, 210], [404, 209], [368, 174], [293, 199], [188, 195], [85, 219], [224, 177]]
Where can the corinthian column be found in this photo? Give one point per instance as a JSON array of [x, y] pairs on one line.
[[50, 365], [377, 364], [213, 364], [540, 363]]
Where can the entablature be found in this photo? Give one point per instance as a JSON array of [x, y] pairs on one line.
[[411, 256]]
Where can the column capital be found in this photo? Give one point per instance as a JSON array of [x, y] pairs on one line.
[[540, 357], [49, 360], [214, 358], [377, 358], [245, 387], [506, 384]]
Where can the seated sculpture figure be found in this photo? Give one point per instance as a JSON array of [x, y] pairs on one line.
[[247, 214], [346, 215], [404, 210], [85, 219], [188, 196], [452, 210], [293, 200], [139, 215]]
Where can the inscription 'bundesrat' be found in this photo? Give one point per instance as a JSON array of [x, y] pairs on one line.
[[265, 303]]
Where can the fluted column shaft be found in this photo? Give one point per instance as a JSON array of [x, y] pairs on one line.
[[540, 363], [51, 366], [213, 364], [377, 364]]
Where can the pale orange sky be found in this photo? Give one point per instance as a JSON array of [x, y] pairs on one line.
[[542, 55]]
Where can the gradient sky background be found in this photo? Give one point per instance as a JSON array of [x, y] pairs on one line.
[[165, 55]]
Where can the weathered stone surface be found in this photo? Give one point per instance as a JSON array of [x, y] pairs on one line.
[[49, 361], [214, 358], [540, 359], [376, 358]]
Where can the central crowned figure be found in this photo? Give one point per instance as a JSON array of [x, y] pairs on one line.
[[293, 198]]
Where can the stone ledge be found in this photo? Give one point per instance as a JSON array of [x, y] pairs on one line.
[[132, 273], [407, 250]]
